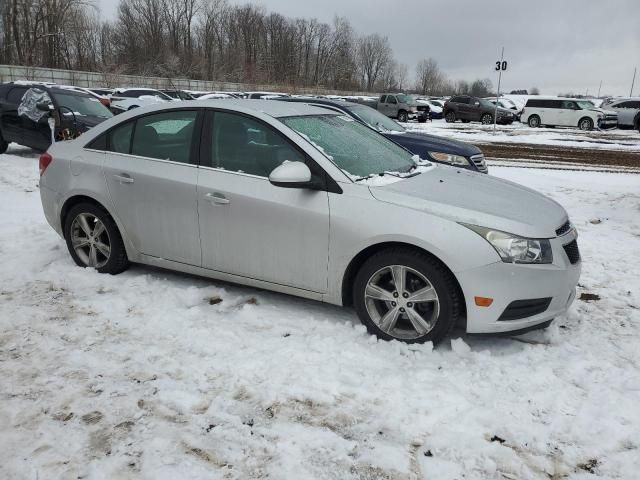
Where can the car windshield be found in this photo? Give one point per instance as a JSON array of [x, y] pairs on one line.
[[585, 104], [356, 149], [375, 119], [437, 103], [81, 104], [405, 99]]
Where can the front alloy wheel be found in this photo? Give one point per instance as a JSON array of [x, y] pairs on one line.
[[402, 302], [487, 119], [407, 295]]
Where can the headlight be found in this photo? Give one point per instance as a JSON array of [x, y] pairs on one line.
[[515, 249], [449, 158]]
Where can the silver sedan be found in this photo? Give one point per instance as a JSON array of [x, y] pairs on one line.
[[301, 200]]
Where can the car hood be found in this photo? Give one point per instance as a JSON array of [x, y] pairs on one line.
[[477, 199], [604, 111], [423, 142]]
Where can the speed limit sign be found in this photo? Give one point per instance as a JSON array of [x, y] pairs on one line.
[[501, 65]]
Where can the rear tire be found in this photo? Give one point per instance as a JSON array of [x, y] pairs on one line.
[[486, 119], [385, 287], [403, 116], [534, 121], [93, 239], [585, 124], [450, 117], [3, 145]]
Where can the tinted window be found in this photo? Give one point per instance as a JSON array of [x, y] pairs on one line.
[[391, 99], [569, 105], [383, 99], [241, 144], [166, 135], [465, 100], [15, 94], [120, 138]]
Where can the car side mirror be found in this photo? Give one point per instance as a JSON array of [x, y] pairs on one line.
[[291, 175], [44, 107]]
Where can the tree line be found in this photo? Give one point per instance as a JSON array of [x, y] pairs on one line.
[[212, 40]]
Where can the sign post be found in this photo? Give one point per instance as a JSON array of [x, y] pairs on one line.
[[501, 66]]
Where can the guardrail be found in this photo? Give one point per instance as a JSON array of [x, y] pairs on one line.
[[9, 73]]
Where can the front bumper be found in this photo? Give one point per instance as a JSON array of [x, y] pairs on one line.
[[506, 283], [607, 122]]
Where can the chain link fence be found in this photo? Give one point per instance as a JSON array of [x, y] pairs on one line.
[[11, 73]]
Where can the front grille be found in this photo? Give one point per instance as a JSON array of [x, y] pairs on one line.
[[422, 108], [479, 162], [525, 308], [564, 228], [572, 251]]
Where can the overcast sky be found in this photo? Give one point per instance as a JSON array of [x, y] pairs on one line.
[[555, 45]]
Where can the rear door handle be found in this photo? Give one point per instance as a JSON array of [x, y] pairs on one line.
[[123, 178], [217, 198]]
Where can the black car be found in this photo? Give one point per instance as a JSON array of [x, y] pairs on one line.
[[431, 147], [474, 109], [24, 114]]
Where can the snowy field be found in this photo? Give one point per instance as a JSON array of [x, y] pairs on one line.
[[615, 139], [158, 375]]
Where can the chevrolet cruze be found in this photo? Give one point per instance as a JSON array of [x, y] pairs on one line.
[[300, 200]]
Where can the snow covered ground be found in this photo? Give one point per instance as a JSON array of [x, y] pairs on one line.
[[159, 375], [615, 139]]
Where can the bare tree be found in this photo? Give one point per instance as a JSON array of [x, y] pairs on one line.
[[374, 55], [428, 76]]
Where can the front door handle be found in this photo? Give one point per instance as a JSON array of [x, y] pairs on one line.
[[123, 178], [217, 198]]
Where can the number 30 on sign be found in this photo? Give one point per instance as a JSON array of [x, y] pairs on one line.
[[501, 65]]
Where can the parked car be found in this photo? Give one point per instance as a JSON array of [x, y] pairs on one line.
[[430, 147], [428, 110], [26, 108], [398, 105], [567, 112], [271, 95], [507, 104], [178, 94], [474, 109], [104, 92], [297, 199], [628, 111], [103, 99], [142, 92], [215, 96]]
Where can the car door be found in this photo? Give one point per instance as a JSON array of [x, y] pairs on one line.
[[392, 106], [11, 122], [249, 227], [567, 114], [151, 173], [551, 112], [626, 111]]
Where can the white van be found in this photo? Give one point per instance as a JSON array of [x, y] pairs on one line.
[[567, 112]]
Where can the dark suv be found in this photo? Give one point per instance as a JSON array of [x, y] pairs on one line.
[[474, 109], [430, 147], [24, 121]]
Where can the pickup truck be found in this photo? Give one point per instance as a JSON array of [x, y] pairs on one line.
[[398, 105]]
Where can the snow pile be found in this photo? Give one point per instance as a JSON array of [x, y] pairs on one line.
[[153, 374]]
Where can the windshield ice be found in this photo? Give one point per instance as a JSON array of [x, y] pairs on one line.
[[353, 147], [375, 119]]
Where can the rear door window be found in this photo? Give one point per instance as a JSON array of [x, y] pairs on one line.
[[165, 136], [15, 95]]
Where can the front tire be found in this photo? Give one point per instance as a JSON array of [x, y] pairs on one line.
[[402, 294], [403, 116], [534, 121], [585, 124], [450, 117], [93, 239], [486, 119]]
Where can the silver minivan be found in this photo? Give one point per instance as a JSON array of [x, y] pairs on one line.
[[305, 201]]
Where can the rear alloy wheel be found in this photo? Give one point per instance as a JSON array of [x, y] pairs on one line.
[[487, 119], [534, 121], [93, 239], [403, 117], [585, 124], [405, 295], [450, 117]]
